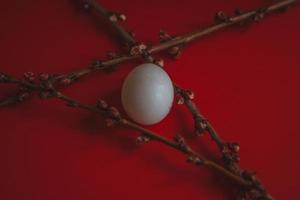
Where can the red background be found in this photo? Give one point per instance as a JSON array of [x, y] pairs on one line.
[[246, 81]]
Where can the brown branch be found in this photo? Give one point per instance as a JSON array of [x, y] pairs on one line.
[[114, 117], [223, 23], [201, 123], [173, 43], [178, 143], [113, 18]]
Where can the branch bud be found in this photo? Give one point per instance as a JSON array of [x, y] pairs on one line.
[[259, 15], [101, 104], [190, 94], [121, 17], [221, 17], [230, 153], [200, 125], [175, 52], [29, 76], [181, 142], [65, 81], [159, 62], [194, 160], [44, 77], [114, 113], [164, 36], [3, 78], [138, 49], [142, 140], [113, 17], [179, 99]]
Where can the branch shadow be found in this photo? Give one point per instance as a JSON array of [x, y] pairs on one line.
[[194, 175], [97, 128]]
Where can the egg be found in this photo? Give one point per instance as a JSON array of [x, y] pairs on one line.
[[147, 94]]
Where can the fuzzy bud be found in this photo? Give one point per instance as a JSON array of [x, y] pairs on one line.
[[44, 77], [235, 147], [114, 112], [180, 141], [101, 104], [190, 94], [195, 160], [3, 78], [179, 99], [121, 17], [259, 15], [159, 62], [113, 18], [175, 52], [200, 125], [65, 81], [142, 140], [164, 36], [29, 76], [221, 17], [138, 49]]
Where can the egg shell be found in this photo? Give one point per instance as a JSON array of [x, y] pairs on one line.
[[147, 94]]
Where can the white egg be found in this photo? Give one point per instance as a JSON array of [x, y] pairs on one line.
[[147, 94]]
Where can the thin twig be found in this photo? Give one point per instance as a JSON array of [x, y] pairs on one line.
[[115, 118], [113, 18], [179, 41], [178, 143]]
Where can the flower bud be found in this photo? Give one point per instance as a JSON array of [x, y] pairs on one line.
[[101, 104]]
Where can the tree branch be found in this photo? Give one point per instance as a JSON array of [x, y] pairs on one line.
[[178, 143], [174, 44]]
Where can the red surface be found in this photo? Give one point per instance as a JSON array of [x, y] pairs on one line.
[[246, 81]]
